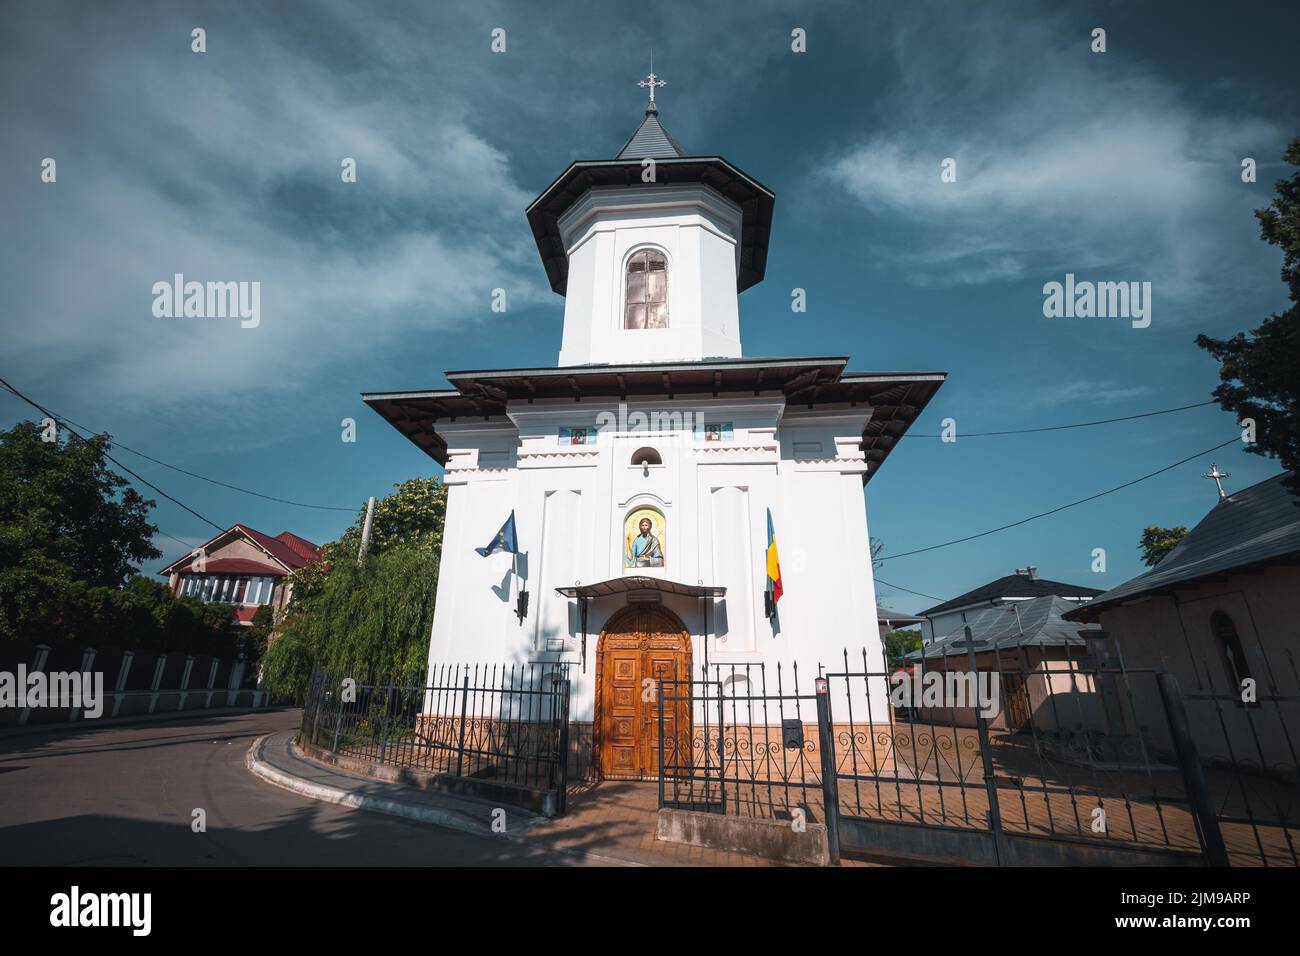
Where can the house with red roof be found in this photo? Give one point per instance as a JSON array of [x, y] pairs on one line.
[[243, 568]]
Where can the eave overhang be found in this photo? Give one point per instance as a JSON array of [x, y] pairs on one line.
[[755, 200], [897, 398]]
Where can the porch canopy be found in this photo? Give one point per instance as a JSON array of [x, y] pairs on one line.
[[637, 582]]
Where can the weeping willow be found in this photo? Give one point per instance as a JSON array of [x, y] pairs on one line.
[[370, 621]]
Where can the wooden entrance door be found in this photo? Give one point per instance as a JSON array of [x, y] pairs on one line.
[[640, 644]]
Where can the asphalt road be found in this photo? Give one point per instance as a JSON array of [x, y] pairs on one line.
[[125, 796]]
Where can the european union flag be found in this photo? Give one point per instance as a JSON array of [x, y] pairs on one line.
[[503, 541]]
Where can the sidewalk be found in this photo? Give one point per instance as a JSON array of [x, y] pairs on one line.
[[610, 824]]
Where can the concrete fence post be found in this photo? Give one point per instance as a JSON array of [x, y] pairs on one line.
[[185, 681], [39, 657], [236, 678], [87, 664], [119, 687], [159, 666], [211, 684]]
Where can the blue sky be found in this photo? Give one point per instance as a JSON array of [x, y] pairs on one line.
[[225, 166]]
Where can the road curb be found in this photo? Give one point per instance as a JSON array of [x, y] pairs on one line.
[[421, 814], [359, 801]]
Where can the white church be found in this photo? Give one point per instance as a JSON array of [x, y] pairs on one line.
[[645, 468]]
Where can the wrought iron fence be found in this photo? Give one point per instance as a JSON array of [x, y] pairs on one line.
[[1056, 757], [745, 741], [499, 724], [1249, 749], [1053, 753]]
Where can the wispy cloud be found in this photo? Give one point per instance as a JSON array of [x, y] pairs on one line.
[[1065, 159], [226, 167]]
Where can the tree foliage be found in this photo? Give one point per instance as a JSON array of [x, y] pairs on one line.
[[1158, 542], [368, 619], [1260, 374], [898, 643], [72, 533]]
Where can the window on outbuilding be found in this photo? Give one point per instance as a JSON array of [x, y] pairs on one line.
[[647, 291], [1231, 652]]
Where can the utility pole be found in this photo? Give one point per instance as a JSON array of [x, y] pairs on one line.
[[365, 529]]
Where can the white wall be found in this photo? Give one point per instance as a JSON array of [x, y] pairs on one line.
[[570, 502], [696, 229]]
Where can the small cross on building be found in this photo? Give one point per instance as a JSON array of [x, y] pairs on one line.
[[1217, 476], [652, 81]]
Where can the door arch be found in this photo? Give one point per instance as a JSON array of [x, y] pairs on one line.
[[640, 642]]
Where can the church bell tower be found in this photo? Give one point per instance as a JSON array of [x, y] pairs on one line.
[[651, 250]]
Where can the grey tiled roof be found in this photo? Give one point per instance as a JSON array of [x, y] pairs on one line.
[[898, 617], [1013, 586], [1037, 623], [1257, 525], [650, 141]]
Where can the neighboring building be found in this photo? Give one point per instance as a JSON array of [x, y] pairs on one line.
[[946, 619], [1037, 655], [1221, 608], [642, 471], [891, 620], [243, 568]]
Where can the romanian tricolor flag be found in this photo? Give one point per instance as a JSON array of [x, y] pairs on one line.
[[773, 563]]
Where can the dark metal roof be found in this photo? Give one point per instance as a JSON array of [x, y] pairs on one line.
[[636, 582], [1037, 623], [897, 397], [1257, 526], [755, 200], [896, 617], [650, 140], [1012, 586]]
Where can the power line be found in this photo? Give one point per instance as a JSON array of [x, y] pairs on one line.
[[48, 414], [1044, 514], [1057, 428], [214, 481], [899, 587], [184, 544]]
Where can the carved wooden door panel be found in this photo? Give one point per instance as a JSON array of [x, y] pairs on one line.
[[639, 645]]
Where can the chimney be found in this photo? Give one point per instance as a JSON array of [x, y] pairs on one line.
[[1029, 572]]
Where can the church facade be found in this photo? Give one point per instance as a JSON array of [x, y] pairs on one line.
[[657, 477]]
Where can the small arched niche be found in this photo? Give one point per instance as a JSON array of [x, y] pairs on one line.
[[645, 456]]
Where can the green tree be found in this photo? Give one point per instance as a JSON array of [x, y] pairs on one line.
[[366, 619], [1260, 374], [898, 643], [1158, 542], [415, 514], [65, 519]]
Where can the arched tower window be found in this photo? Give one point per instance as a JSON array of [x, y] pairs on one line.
[[647, 291], [1231, 653], [646, 456]]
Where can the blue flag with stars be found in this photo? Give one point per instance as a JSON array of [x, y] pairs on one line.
[[504, 540]]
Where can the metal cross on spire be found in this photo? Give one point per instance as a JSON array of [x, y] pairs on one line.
[[652, 81], [1217, 475]]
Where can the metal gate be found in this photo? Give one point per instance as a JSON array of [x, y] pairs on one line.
[[1069, 765]]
